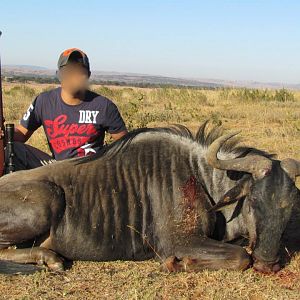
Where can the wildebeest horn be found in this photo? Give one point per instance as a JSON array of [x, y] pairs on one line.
[[291, 167], [256, 165]]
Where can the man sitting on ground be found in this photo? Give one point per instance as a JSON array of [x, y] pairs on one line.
[[74, 118]]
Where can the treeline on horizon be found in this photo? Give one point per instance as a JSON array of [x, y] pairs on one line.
[[54, 80], [241, 93]]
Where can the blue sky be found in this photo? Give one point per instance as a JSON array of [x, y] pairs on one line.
[[235, 40]]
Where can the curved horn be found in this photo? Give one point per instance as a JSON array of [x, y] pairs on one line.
[[257, 165], [291, 167]]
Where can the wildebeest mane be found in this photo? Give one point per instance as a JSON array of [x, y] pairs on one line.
[[202, 137]]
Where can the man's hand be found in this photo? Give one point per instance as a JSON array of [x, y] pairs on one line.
[[1, 133], [118, 135]]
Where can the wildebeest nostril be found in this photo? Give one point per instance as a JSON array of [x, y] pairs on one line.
[[264, 267], [276, 268]]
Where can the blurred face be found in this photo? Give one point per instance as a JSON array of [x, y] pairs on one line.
[[74, 78]]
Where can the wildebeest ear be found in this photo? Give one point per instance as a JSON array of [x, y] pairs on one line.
[[233, 195], [291, 167]]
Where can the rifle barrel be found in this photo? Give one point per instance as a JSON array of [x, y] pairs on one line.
[[2, 159]]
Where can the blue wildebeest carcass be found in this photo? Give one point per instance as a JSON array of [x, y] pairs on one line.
[[157, 192]]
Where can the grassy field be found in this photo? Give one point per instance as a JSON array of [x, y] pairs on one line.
[[269, 120]]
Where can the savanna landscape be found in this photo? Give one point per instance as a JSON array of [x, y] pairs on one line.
[[267, 119]]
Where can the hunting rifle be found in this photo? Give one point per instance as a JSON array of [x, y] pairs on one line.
[[6, 155]]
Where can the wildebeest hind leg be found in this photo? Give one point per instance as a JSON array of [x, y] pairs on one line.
[[204, 253], [29, 212]]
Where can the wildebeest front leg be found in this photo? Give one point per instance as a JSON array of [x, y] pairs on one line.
[[205, 253], [36, 255]]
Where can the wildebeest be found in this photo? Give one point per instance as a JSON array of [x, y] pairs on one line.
[[157, 192]]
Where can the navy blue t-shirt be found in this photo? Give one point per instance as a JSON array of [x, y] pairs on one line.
[[73, 130]]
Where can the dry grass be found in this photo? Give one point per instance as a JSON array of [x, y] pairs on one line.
[[268, 124], [143, 280]]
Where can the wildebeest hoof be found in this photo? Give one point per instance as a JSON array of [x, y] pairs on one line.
[[49, 258], [56, 267], [245, 260], [172, 264]]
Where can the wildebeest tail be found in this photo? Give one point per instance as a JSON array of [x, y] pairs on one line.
[[13, 268]]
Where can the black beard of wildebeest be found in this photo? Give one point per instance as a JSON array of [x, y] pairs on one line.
[[155, 193]]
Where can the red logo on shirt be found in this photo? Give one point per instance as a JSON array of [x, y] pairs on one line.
[[64, 136]]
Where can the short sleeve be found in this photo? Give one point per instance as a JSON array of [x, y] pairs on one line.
[[32, 118], [113, 121]]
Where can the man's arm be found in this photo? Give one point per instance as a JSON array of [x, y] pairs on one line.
[[114, 123], [29, 123], [118, 135], [22, 134]]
